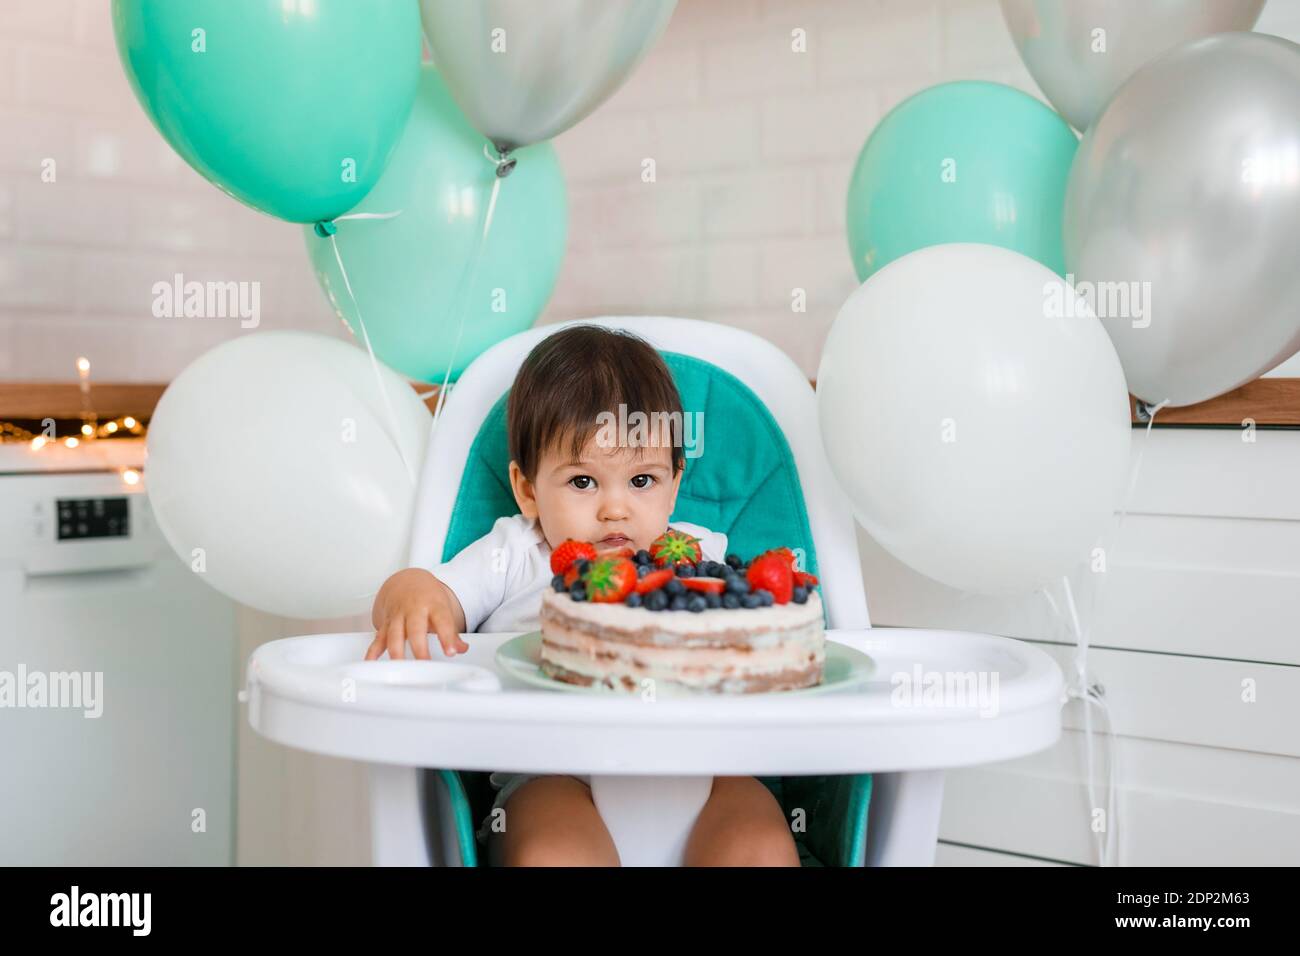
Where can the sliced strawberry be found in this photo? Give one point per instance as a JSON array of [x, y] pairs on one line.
[[771, 571], [654, 580], [805, 580], [609, 580], [674, 547], [706, 584], [570, 551]]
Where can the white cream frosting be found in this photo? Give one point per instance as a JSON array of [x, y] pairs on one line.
[[778, 617]]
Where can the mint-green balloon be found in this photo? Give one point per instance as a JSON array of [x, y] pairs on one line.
[[410, 274], [291, 106], [961, 162]]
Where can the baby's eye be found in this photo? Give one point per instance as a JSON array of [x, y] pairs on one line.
[[582, 482], [642, 481]]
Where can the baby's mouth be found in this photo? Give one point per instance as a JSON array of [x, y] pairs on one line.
[[613, 541]]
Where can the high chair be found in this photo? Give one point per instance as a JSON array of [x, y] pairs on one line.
[[762, 478], [429, 730]]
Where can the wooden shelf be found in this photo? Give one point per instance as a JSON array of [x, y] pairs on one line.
[[37, 400], [1267, 401]]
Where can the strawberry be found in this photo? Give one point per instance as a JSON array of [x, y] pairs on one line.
[[675, 547], [772, 571], [805, 580], [568, 552], [705, 584], [609, 580], [654, 580]]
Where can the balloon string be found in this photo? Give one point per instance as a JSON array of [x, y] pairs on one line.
[[369, 215], [1090, 694], [365, 337], [468, 277]]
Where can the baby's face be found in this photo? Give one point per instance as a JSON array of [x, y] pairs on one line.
[[614, 497]]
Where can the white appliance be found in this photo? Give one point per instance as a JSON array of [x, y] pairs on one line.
[[98, 613]]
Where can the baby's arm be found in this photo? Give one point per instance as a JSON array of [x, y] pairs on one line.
[[407, 607]]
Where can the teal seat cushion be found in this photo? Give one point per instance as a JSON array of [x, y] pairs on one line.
[[742, 482]]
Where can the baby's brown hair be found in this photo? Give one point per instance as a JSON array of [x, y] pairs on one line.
[[569, 378]]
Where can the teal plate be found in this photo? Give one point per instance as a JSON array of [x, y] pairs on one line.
[[521, 658]]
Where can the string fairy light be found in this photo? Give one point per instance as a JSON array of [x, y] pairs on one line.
[[124, 426]]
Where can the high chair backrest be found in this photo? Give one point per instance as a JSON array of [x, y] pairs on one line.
[[762, 477]]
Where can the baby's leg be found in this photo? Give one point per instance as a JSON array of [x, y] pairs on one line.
[[741, 824], [552, 821]]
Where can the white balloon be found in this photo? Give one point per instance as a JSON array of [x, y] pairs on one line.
[[276, 471], [974, 412], [1081, 51]]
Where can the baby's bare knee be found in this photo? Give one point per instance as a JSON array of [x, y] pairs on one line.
[[556, 848], [760, 842], [551, 821], [741, 825]]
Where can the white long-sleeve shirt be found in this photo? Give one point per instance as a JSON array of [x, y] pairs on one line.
[[499, 578]]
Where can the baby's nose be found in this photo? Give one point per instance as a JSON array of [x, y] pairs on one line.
[[612, 507]]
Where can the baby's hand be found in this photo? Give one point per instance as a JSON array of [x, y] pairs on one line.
[[407, 607]]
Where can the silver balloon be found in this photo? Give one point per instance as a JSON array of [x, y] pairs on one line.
[[1182, 217], [523, 71], [1078, 68]]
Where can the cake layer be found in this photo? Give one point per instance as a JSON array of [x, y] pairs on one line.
[[741, 650], [716, 627]]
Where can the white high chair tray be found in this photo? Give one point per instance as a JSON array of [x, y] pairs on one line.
[[316, 693]]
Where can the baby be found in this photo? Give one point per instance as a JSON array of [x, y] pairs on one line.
[[570, 481]]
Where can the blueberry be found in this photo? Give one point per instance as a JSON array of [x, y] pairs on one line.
[[731, 600], [765, 596], [696, 603], [656, 600], [674, 587], [733, 560], [737, 584], [751, 600], [632, 600], [678, 603], [578, 592], [643, 569], [713, 600], [643, 557], [583, 565], [557, 583], [800, 596], [685, 571]]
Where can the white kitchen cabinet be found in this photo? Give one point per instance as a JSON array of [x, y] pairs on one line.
[[1196, 644]]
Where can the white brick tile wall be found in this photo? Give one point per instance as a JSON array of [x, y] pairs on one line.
[[800, 128], [763, 63], [753, 146], [6, 212]]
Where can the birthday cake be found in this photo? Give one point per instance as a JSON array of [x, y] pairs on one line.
[[669, 620]]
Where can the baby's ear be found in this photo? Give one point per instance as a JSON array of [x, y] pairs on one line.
[[525, 494]]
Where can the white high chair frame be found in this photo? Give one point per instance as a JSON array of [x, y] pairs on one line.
[[651, 767], [904, 810]]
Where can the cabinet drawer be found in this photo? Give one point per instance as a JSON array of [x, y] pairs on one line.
[[1179, 805]]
